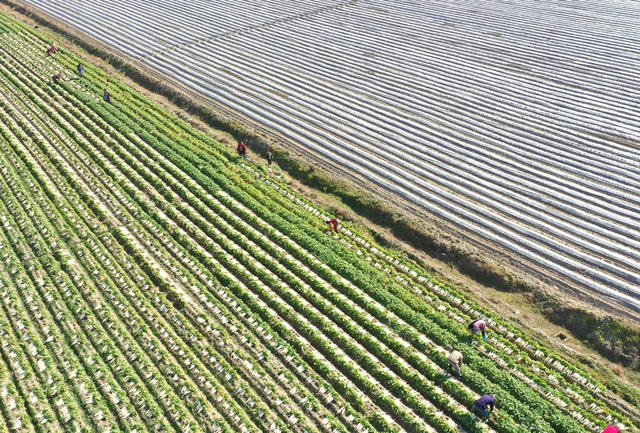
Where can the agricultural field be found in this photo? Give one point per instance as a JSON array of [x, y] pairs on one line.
[[150, 281], [513, 122]]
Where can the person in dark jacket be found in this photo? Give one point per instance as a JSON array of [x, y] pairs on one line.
[[80, 70], [57, 77], [484, 405], [269, 156], [242, 150], [106, 96], [478, 325]]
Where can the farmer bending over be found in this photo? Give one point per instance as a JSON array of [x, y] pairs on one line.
[[478, 325], [52, 49], [483, 404], [455, 361]]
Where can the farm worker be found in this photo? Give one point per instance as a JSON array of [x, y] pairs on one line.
[[478, 325], [483, 404], [106, 96], [455, 361], [269, 156], [333, 223], [53, 48], [611, 429], [80, 69], [57, 77], [242, 150]]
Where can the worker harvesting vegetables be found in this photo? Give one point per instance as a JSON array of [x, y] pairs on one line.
[[242, 150], [333, 224], [484, 405], [106, 96], [478, 325], [455, 361], [52, 49], [611, 429], [80, 70]]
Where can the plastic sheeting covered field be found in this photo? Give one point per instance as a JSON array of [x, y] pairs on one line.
[[516, 121]]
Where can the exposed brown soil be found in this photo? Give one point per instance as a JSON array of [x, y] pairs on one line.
[[622, 140]]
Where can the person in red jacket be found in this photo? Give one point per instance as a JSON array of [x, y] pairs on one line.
[[242, 150], [478, 325], [333, 223], [611, 429]]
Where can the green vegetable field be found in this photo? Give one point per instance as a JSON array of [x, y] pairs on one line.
[[150, 280]]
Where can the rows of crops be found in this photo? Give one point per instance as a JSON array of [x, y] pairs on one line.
[[510, 120], [150, 281]]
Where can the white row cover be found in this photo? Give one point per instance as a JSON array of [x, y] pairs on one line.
[[515, 120]]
